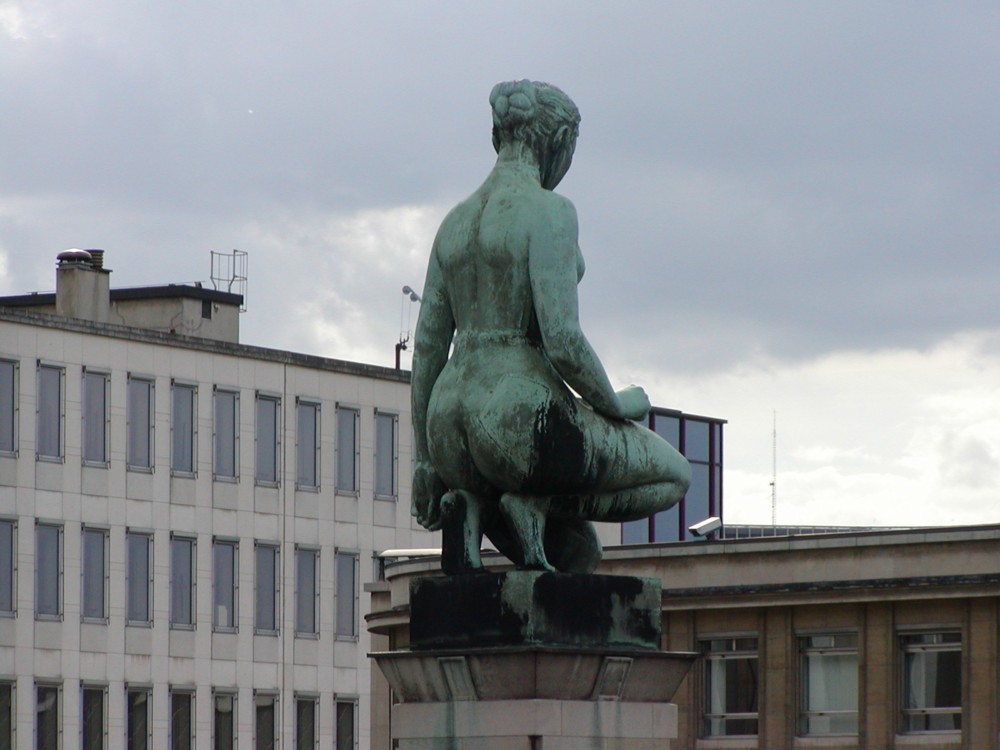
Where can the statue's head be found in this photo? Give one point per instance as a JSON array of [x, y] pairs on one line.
[[543, 118]]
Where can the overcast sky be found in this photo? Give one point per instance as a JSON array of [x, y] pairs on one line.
[[785, 208]]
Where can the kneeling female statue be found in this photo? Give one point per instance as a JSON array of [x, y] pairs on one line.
[[503, 447]]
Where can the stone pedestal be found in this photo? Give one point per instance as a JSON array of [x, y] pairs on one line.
[[535, 725], [530, 660]]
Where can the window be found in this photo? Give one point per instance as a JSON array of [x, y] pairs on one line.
[[305, 723], [699, 439], [224, 584], [95, 417], [8, 714], [181, 720], [265, 721], [48, 571], [8, 407], [182, 581], [138, 730], [346, 718], [347, 595], [92, 721], [50, 413], [94, 586], [8, 567], [227, 434], [48, 728], [139, 428], [730, 687], [268, 438], [829, 689], [932, 681], [139, 575], [266, 595], [306, 591], [385, 454], [183, 427], [307, 444], [224, 722], [347, 449]]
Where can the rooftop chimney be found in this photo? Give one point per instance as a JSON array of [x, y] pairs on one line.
[[83, 285]]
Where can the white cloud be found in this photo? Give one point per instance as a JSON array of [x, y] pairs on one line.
[[337, 279], [899, 438]]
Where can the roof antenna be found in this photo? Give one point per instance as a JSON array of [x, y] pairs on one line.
[[774, 468]]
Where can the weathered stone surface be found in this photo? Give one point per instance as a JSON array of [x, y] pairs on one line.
[[534, 672], [534, 607]]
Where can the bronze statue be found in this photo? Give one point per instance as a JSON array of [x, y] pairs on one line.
[[503, 447]]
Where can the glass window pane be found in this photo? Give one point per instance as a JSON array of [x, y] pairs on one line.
[[224, 734], [347, 447], [696, 499], [345, 725], [95, 417], [48, 563], [182, 581], [181, 721], [305, 591], [264, 734], [305, 724], [668, 428], [730, 687], [140, 424], [385, 455], [307, 439], [226, 419], [224, 585], [696, 447], [7, 566], [138, 719], [6, 715], [93, 719], [267, 439], [266, 589], [94, 573], [49, 437], [138, 577], [635, 532], [666, 525], [47, 717], [8, 405], [182, 428], [347, 566]]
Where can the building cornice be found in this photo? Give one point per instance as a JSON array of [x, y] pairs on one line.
[[162, 338]]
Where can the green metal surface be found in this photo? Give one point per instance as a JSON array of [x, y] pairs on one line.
[[503, 446]]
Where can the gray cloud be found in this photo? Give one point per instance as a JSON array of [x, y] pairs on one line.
[[786, 179]]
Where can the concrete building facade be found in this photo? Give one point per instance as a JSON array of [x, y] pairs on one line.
[[186, 526], [877, 640]]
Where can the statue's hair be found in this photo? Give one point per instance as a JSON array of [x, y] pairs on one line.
[[532, 113]]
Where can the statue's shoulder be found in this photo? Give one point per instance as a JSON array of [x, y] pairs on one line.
[[554, 212]]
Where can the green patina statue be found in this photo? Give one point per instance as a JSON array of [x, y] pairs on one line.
[[503, 447]]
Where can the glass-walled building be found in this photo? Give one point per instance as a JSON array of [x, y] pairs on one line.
[[699, 439]]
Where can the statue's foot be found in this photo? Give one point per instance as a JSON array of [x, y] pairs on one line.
[[461, 532], [526, 515]]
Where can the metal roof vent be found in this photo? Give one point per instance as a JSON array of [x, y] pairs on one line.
[[96, 257], [74, 255]]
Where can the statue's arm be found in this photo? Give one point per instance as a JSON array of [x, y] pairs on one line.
[[552, 266], [435, 328]]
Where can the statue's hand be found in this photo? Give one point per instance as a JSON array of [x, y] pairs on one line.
[[634, 401], [428, 489]]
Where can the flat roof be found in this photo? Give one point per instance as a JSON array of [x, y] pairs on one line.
[[189, 291], [163, 338]]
